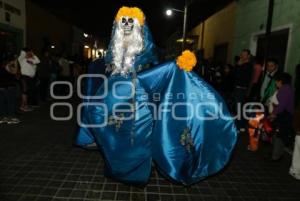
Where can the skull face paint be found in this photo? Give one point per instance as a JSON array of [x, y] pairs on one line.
[[127, 25]]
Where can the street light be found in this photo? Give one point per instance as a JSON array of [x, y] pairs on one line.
[[169, 12]]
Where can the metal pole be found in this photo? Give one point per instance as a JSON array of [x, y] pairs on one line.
[[268, 29], [202, 35], [184, 25]]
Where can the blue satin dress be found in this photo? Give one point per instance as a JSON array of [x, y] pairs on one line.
[[164, 116]]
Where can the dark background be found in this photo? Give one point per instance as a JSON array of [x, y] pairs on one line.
[[96, 16]]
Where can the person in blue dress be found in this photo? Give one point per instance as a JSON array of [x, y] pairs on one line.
[[148, 113]]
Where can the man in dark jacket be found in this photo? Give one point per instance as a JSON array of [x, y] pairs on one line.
[[243, 74], [8, 91]]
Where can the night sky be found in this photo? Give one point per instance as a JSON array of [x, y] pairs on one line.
[[96, 16]]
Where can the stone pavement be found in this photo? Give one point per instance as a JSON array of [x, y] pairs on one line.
[[38, 162]]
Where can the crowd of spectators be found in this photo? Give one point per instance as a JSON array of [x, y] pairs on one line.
[[25, 84], [252, 79], [25, 81]]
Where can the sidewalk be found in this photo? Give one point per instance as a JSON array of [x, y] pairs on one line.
[[38, 162]]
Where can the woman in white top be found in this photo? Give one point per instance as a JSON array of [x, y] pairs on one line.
[[28, 64]]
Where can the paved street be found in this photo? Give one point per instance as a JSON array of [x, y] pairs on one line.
[[38, 162]]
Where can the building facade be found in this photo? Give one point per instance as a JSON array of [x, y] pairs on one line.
[[12, 26], [57, 35], [216, 35], [173, 48], [242, 25], [251, 19], [48, 31]]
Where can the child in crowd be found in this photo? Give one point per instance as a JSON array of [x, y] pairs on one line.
[[255, 127], [258, 126]]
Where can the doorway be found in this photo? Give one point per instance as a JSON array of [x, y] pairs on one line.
[[278, 46], [220, 54]]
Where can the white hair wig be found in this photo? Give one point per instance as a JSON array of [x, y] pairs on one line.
[[126, 47]]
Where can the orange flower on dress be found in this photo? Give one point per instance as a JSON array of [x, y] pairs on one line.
[[186, 61], [132, 12]]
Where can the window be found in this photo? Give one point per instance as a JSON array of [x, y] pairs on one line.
[[12, 9]]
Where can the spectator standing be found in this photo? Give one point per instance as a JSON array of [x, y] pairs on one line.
[[242, 75], [268, 86], [8, 91], [44, 73], [28, 64], [282, 114], [295, 167]]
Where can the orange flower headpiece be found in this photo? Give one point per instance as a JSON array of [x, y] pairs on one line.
[[186, 61], [132, 12]]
